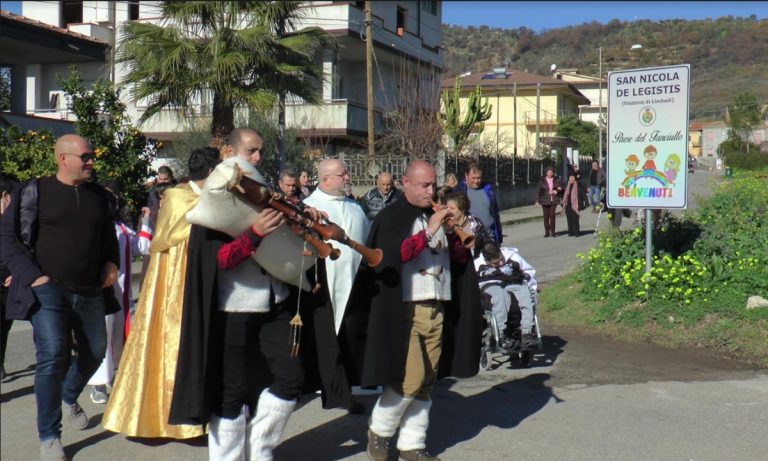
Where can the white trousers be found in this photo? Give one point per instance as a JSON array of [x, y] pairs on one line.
[[106, 372]]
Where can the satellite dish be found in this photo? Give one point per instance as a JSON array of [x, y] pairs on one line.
[[553, 67]]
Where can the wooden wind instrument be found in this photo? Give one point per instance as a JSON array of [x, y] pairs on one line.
[[261, 195], [467, 240]]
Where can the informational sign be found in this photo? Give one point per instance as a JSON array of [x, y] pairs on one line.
[[648, 137]]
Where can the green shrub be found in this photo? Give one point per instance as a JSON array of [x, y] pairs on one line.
[[735, 155], [705, 263]]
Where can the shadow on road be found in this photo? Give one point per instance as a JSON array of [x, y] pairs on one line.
[[16, 394], [201, 441], [14, 375], [544, 357], [339, 438], [455, 418], [73, 448]]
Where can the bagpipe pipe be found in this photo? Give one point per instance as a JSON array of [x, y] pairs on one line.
[[261, 195]]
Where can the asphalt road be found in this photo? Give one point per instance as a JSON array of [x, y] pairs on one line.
[[585, 398]]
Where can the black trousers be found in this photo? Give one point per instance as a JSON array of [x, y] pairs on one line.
[[256, 355], [573, 220], [549, 219], [5, 324]]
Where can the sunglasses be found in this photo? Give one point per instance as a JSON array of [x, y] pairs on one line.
[[84, 157]]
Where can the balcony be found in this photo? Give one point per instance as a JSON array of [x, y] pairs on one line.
[[335, 115], [546, 118]]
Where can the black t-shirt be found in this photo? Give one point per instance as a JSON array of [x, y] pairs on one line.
[[76, 236], [593, 178]]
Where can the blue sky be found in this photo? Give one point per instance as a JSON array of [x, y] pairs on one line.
[[550, 15]]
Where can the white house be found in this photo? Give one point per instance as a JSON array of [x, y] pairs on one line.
[[589, 86]]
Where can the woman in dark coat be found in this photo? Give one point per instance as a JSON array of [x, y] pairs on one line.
[[573, 202], [548, 197]]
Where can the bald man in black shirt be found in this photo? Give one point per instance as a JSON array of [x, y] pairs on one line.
[[58, 239]]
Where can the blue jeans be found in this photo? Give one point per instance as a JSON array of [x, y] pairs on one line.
[[59, 377], [594, 195]]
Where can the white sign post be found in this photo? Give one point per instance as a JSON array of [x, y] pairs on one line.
[[648, 140]]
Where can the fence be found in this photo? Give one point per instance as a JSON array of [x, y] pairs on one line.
[[514, 179]]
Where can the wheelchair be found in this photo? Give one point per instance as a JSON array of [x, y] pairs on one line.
[[492, 338]]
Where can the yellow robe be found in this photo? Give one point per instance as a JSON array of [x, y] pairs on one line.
[[141, 397]]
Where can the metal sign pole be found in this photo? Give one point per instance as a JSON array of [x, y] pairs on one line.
[[648, 239]]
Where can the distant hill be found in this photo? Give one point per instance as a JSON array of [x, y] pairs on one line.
[[728, 56]]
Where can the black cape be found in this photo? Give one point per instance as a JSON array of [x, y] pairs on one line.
[[197, 387], [326, 364], [373, 324]]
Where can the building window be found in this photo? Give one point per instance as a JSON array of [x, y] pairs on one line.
[[430, 6], [71, 12], [401, 13], [360, 5], [133, 10]]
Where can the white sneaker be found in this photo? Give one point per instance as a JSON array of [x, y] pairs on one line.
[[99, 394]]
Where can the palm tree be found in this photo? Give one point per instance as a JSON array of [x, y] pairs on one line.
[[235, 52]]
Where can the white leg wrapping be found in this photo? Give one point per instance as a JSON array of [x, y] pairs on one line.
[[226, 438], [266, 428], [413, 428], [388, 412]]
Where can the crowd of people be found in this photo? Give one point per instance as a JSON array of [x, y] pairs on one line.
[[205, 345]]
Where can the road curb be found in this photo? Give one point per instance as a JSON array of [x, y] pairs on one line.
[[527, 219]]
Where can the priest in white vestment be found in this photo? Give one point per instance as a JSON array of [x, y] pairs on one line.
[[329, 197]]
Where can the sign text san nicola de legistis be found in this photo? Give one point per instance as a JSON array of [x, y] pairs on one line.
[[648, 137]]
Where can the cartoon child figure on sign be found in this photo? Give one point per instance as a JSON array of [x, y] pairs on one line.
[[671, 167], [632, 162], [649, 167]]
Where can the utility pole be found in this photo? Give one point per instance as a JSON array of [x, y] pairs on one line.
[[514, 133], [113, 20], [369, 75], [600, 109], [538, 114], [281, 112]]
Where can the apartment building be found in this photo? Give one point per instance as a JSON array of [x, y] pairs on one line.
[[406, 35]]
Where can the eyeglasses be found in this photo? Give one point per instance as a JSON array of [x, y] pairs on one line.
[[84, 157]]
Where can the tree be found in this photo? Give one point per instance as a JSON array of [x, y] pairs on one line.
[[461, 130], [235, 53], [123, 154], [5, 88], [584, 133], [743, 116], [413, 125], [26, 155]]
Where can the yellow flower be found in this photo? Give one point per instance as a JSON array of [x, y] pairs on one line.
[[98, 151]]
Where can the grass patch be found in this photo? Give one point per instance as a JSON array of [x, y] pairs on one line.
[[743, 337]]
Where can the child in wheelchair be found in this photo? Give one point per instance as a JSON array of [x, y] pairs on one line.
[[508, 287]]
